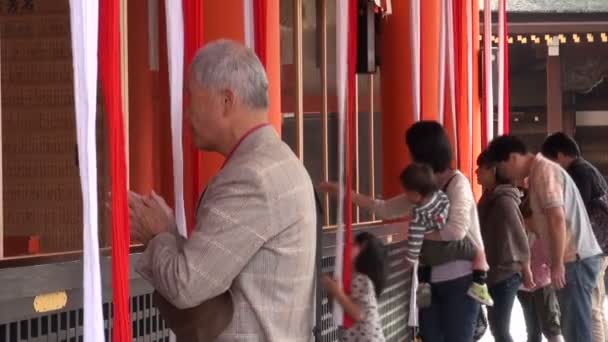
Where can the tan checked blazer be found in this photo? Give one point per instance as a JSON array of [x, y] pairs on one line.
[[255, 235]]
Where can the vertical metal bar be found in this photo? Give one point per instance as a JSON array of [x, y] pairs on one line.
[[299, 77], [371, 142], [48, 328], [322, 7], [356, 137]]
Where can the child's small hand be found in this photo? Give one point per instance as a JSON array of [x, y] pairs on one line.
[[330, 285]]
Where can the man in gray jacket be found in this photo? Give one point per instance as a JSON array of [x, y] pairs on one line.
[[255, 232]]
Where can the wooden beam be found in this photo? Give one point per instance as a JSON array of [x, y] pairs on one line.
[[554, 95], [553, 27]]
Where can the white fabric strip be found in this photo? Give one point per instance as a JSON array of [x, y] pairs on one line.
[[84, 16], [413, 320], [501, 64], [249, 23], [442, 61], [487, 67], [341, 78], [415, 50], [451, 72], [468, 18], [175, 48]]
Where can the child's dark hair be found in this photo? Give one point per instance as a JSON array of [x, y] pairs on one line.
[[419, 178], [371, 260]]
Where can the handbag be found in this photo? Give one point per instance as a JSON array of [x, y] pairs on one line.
[[202, 323]]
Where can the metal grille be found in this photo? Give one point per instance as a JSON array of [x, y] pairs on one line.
[[67, 326]]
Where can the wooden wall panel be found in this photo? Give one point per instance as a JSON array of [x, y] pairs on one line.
[[41, 185]]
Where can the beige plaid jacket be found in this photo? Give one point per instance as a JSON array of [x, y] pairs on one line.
[[255, 234]]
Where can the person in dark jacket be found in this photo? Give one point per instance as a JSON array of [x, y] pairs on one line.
[[504, 235], [592, 186]]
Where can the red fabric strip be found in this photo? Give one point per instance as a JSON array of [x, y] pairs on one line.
[[259, 29], [109, 58], [507, 114], [349, 140], [193, 40]]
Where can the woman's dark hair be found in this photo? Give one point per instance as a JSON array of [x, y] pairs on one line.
[[371, 260], [429, 144], [419, 178], [560, 142], [486, 161]]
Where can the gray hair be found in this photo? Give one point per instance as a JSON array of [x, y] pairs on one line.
[[226, 64]]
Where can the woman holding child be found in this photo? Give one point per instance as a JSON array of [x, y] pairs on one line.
[[452, 313]]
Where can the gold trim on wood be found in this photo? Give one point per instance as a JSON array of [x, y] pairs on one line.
[[50, 302], [299, 76]]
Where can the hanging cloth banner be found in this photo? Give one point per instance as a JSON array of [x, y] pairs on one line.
[[451, 69], [350, 137], [254, 12], [259, 21], [503, 70], [415, 51], [175, 49], [109, 57], [488, 112], [248, 23], [469, 53], [84, 16], [442, 61], [341, 78], [193, 159]]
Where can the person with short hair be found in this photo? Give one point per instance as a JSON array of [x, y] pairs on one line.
[[255, 233], [562, 149], [429, 214], [559, 215], [502, 230]]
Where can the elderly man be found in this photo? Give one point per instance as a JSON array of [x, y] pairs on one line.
[[255, 233]]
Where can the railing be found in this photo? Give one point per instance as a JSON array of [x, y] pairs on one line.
[[325, 16], [20, 323]]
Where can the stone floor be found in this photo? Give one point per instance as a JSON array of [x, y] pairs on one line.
[[518, 325]]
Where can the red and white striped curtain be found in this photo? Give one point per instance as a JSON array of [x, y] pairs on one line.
[[254, 12]]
